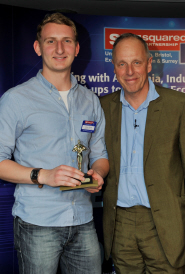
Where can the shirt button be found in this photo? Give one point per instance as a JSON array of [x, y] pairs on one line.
[[69, 118], [71, 139], [114, 207], [73, 202], [59, 98], [73, 161], [50, 91], [134, 151]]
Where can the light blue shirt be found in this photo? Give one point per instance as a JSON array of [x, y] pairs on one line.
[[38, 130], [131, 188]]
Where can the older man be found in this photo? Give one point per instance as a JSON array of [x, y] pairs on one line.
[[144, 199]]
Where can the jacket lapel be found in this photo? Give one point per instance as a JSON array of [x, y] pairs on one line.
[[115, 112], [153, 115]]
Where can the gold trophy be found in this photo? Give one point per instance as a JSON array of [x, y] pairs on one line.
[[79, 148], [89, 181]]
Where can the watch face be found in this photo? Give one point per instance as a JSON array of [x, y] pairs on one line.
[[34, 175]]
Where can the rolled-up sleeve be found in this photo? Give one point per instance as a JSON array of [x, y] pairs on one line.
[[10, 125], [97, 142]]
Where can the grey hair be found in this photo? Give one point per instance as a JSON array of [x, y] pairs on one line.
[[130, 35]]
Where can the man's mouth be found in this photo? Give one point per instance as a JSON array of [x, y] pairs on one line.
[[131, 80], [59, 58]]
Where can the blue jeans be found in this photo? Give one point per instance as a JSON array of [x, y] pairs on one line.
[[41, 249]]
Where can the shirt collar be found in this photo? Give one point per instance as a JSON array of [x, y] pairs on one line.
[[152, 95], [49, 86]]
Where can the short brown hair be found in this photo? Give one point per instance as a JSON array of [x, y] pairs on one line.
[[57, 18]]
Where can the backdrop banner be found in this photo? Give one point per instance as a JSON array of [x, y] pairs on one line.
[[93, 68]]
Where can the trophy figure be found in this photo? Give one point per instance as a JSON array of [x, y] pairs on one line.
[[89, 181], [79, 148]]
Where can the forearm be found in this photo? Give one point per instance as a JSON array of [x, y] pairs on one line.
[[13, 172], [101, 166], [98, 171], [62, 175]]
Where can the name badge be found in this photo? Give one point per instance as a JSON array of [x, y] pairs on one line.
[[88, 126]]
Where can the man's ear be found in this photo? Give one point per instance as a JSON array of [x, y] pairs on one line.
[[114, 66], [150, 64], [77, 49], [36, 47]]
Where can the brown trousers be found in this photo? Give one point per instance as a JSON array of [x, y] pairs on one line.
[[136, 246]]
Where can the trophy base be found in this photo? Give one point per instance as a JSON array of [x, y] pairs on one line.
[[88, 182], [88, 179]]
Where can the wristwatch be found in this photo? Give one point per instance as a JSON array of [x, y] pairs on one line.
[[34, 176]]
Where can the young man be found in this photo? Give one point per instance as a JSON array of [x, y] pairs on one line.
[[40, 124], [144, 199]]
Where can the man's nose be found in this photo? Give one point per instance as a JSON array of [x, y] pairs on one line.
[[130, 69], [59, 47]]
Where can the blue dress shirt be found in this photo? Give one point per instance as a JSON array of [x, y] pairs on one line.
[[38, 130], [132, 189]]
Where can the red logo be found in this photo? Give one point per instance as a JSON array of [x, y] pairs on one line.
[[155, 39], [89, 122]]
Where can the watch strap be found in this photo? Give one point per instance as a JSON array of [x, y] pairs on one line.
[[34, 176]]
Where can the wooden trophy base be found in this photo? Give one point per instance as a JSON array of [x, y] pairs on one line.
[[89, 182]]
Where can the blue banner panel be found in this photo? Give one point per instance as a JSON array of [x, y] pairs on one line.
[[6, 52]]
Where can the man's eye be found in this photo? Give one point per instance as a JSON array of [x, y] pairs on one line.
[[68, 41], [50, 41], [121, 64]]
